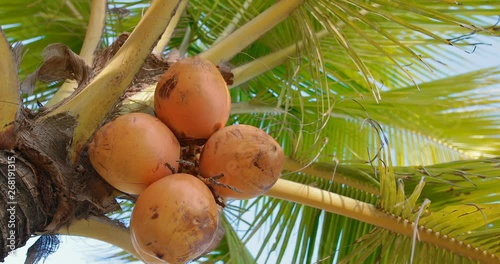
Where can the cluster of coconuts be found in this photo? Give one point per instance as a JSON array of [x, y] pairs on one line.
[[184, 162]]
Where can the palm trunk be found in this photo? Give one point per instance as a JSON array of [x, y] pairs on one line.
[[41, 192], [22, 210]]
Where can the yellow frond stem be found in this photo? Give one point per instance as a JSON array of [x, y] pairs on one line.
[[368, 213], [251, 31], [103, 230], [165, 38], [10, 100], [90, 43], [234, 22], [92, 104], [266, 63]]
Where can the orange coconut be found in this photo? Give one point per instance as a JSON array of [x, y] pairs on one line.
[[192, 99], [133, 151], [249, 159], [174, 220]]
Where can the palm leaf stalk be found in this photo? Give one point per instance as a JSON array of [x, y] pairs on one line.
[[225, 49], [331, 202], [266, 63], [10, 102], [102, 229], [107, 87], [165, 37], [90, 44], [234, 22]]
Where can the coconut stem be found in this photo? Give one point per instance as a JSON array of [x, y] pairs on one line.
[[165, 38], [73, 10], [185, 42], [331, 202], [261, 65], [234, 23], [225, 49], [103, 230], [368, 213], [266, 63], [93, 35], [92, 104], [10, 100]]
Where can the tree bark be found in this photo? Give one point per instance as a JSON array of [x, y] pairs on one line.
[[42, 192], [21, 211]]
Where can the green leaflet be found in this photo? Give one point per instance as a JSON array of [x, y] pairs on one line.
[[469, 230]]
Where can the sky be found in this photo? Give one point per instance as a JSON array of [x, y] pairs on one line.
[[83, 251]]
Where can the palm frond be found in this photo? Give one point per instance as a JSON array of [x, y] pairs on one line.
[[452, 183], [448, 226], [469, 229], [298, 233]]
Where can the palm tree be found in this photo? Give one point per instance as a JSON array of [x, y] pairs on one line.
[[390, 156]]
